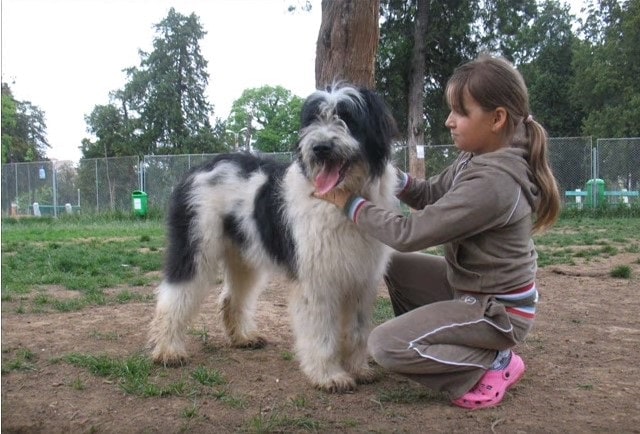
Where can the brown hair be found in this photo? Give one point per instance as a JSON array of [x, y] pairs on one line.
[[494, 82]]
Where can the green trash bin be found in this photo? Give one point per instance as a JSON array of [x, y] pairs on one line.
[[140, 203], [595, 192]]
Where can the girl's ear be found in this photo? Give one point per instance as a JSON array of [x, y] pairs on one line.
[[499, 119]]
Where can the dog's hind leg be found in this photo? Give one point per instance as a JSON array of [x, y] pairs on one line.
[[177, 304], [314, 315], [242, 286]]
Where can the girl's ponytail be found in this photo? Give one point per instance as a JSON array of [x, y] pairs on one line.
[[548, 208]]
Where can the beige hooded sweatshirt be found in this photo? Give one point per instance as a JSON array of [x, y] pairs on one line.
[[480, 208]]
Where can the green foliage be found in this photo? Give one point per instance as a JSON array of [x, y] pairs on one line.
[[449, 42], [579, 84], [24, 130], [267, 117], [162, 108], [538, 38], [112, 130], [9, 114], [545, 62], [607, 67]]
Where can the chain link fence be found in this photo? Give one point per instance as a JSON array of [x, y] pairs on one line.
[[618, 169], [49, 188], [608, 172]]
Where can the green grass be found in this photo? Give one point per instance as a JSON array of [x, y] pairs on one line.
[[621, 272], [22, 359], [191, 411], [137, 375], [90, 254], [275, 421], [383, 311], [409, 394], [208, 377], [587, 239], [79, 254]]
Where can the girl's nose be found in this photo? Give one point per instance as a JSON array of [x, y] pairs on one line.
[[449, 121]]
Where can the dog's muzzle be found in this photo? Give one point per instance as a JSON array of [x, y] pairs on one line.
[[333, 170], [322, 150]]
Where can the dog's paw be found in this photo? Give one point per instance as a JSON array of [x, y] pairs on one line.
[[254, 343], [365, 375], [169, 359], [341, 383]]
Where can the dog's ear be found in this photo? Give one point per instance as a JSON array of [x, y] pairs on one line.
[[381, 130], [310, 109], [380, 114]]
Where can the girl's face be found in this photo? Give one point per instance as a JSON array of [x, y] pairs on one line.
[[477, 131]]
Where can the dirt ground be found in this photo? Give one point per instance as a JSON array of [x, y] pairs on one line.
[[582, 360]]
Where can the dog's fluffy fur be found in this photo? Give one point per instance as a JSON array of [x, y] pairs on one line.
[[248, 216]]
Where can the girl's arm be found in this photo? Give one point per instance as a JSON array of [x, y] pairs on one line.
[[479, 201], [418, 193]]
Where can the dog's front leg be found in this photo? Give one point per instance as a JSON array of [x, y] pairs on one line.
[[357, 313], [316, 326]]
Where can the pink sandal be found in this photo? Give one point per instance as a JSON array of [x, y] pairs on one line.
[[490, 390]]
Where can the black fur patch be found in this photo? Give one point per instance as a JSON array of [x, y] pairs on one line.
[[268, 213], [375, 129], [180, 258], [232, 229]]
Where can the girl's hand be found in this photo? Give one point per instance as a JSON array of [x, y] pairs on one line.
[[337, 197]]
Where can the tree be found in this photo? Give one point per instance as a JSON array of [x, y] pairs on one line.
[[166, 93], [606, 85], [499, 24], [24, 129], [347, 42], [539, 41], [544, 58], [415, 117], [269, 115], [9, 121], [421, 42], [448, 42], [607, 67], [108, 125]]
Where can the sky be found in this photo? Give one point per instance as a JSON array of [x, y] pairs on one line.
[[65, 56]]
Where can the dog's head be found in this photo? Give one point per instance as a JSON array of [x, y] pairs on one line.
[[346, 137]]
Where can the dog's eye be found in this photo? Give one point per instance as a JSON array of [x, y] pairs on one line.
[[345, 117]]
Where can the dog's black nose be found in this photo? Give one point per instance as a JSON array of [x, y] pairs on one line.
[[322, 149]]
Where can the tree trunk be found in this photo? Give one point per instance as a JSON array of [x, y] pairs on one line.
[[347, 42], [415, 118]]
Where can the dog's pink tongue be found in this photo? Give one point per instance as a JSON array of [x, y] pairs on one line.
[[327, 179]]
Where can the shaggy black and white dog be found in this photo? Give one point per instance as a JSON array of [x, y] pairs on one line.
[[247, 216]]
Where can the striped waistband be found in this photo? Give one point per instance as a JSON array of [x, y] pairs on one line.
[[521, 301], [526, 292]]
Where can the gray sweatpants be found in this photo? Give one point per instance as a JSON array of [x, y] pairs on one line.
[[441, 338]]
